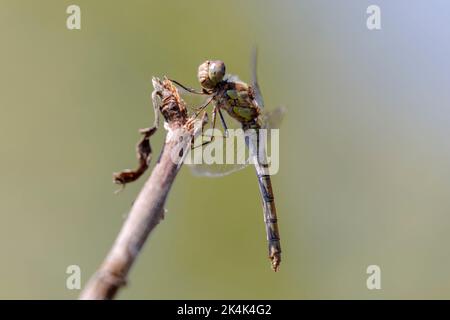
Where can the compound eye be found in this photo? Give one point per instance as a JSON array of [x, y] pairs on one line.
[[216, 71]]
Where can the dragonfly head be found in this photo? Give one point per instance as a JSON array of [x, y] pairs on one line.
[[210, 73]]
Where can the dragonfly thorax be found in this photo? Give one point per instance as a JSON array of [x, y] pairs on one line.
[[210, 73]]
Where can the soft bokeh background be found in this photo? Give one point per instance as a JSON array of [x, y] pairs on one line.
[[365, 163]]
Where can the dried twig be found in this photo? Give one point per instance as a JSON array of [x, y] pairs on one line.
[[148, 209]]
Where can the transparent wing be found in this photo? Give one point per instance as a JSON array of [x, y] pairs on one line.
[[216, 171], [253, 62], [202, 160], [213, 159], [273, 119]]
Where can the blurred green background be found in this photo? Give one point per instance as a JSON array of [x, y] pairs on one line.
[[365, 154]]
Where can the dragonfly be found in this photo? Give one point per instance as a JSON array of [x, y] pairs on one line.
[[243, 103]]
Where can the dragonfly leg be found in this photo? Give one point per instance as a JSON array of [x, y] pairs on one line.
[[203, 120], [212, 137], [224, 124], [187, 88], [203, 106]]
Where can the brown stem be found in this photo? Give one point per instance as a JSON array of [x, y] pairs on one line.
[[148, 209]]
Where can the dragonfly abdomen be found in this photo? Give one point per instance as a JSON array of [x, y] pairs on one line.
[[270, 215]]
